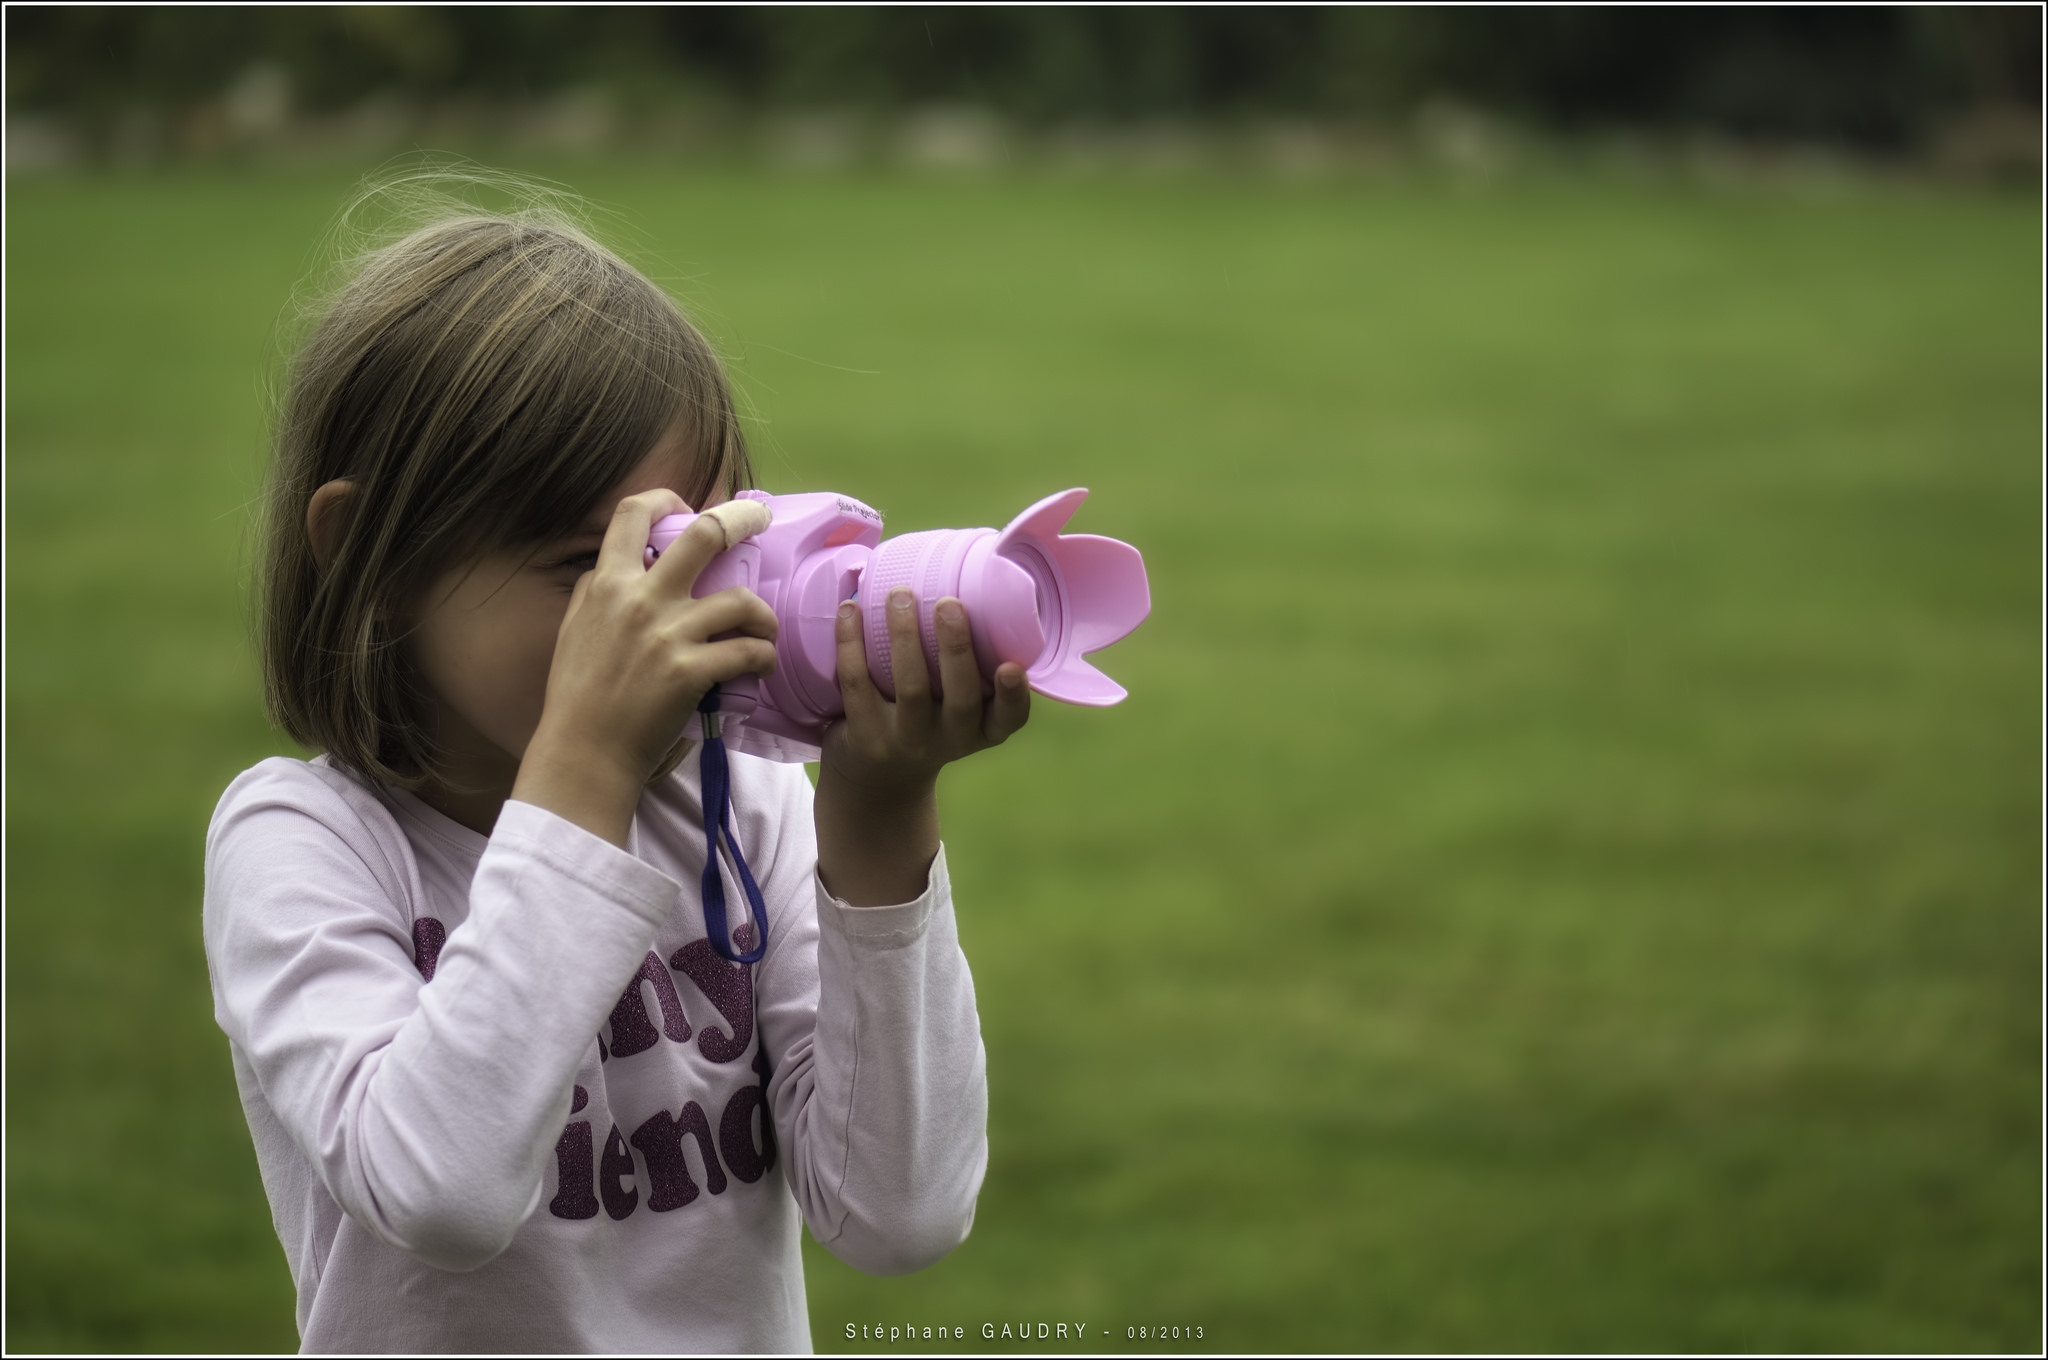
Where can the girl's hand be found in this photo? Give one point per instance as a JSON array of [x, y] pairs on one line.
[[877, 810], [633, 659], [890, 750]]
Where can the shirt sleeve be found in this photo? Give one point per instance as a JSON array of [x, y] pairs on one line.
[[427, 1110], [878, 1075]]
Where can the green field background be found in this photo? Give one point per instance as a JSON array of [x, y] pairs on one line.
[[1567, 876]]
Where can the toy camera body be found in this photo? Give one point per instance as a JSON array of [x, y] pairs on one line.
[[1033, 595]]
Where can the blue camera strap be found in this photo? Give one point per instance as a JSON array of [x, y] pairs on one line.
[[717, 782]]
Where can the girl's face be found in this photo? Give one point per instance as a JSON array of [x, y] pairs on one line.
[[486, 637]]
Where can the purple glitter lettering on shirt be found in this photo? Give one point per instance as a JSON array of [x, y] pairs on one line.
[[730, 986], [428, 935], [632, 1032], [736, 1128], [660, 1141], [572, 1172], [619, 1200]]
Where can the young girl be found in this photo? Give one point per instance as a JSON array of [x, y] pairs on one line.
[[504, 1094]]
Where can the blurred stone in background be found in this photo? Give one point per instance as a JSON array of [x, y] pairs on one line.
[[1299, 91]]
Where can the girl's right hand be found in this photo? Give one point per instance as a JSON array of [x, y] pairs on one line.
[[633, 659]]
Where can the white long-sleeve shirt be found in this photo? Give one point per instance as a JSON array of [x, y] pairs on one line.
[[505, 1098]]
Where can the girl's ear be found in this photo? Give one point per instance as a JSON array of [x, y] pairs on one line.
[[323, 520]]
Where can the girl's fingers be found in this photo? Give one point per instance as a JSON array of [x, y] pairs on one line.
[[734, 657], [684, 560], [906, 649], [1011, 708], [959, 674], [733, 610], [625, 538], [864, 703]]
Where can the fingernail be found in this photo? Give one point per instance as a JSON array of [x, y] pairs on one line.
[[900, 598], [848, 611], [949, 611]]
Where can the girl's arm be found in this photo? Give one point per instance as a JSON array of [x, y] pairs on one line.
[[881, 1089], [427, 1112], [878, 1078]]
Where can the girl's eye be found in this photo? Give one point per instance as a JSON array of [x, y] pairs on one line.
[[578, 564]]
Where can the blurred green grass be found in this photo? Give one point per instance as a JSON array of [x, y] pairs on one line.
[[1567, 877]]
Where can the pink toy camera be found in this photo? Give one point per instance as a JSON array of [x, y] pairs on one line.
[[1033, 595]]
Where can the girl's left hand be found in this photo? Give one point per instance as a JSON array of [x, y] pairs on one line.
[[891, 751], [877, 807]]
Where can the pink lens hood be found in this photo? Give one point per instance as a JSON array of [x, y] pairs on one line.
[[1034, 596]]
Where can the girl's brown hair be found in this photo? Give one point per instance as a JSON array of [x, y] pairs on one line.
[[482, 381]]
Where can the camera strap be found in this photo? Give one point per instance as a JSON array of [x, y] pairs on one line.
[[717, 782]]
